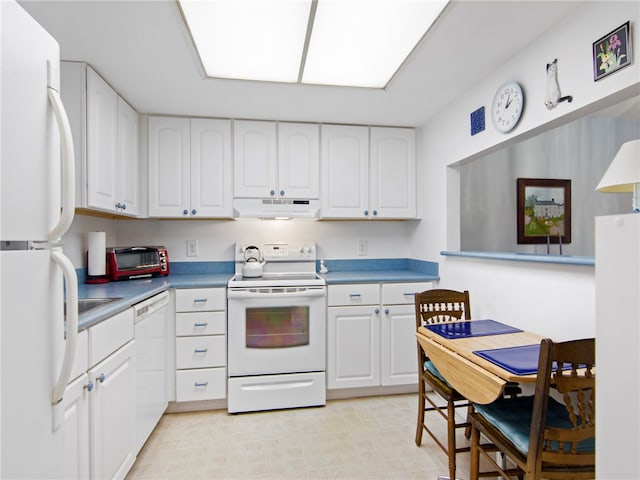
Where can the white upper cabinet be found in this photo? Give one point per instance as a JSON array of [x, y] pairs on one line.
[[298, 160], [254, 159], [276, 160], [105, 134], [368, 172], [345, 171], [189, 168], [392, 172]]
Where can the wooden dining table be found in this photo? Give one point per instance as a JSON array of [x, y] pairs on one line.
[[476, 378]]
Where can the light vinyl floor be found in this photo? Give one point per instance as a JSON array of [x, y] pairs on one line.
[[363, 438]]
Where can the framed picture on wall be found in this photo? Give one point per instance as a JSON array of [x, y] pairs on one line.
[[611, 52], [544, 210]]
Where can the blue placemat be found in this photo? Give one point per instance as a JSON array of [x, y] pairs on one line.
[[473, 328], [521, 360]]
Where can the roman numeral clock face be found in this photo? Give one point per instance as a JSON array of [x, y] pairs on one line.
[[507, 106]]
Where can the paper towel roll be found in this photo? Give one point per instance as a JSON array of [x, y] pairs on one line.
[[97, 248]]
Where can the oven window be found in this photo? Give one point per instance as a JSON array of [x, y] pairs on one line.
[[277, 327]]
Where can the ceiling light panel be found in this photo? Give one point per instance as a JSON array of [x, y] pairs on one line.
[[364, 42], [249, 39]]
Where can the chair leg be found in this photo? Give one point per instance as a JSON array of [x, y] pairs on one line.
[[451, 433], [474, 459], [467, 429], [420, 425]]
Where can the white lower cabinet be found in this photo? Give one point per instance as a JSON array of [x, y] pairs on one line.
[[371, 335], [112, 400], [76, 424], [201, 344]]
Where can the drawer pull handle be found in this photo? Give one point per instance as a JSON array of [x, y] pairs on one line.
[[355, 295], [200, 385], [200, 300], [409, 294], [200, 350], [200, 325]]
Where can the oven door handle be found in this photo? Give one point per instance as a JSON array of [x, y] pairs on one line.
[[276, 293]]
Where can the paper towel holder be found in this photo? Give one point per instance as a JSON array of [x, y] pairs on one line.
[[96, 258]]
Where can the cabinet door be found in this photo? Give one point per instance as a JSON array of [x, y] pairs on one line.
[[345, 172], [113, 414], [127, 160], [353, 347], [102, 106], [76, 428], [254, 159], [392, 170], [169, 167], [298, 160], [399, 358], [211, 175]]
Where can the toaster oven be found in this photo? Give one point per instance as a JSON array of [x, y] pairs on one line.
[[125, 263]]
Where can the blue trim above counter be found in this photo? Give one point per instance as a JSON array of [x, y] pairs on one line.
[[379, 271], [524, 257]]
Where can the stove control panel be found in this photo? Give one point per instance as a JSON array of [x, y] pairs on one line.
[[279, 251]]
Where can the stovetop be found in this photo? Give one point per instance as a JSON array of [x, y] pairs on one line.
[[287, 264]]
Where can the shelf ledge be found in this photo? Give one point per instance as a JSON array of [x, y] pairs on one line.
[[524, 257]]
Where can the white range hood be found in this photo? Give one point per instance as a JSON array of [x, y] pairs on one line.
[[275, 208]]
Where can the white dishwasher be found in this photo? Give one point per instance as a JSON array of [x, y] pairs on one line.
[[151, 364]]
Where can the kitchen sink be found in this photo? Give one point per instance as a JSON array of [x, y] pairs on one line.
[[86, 304]]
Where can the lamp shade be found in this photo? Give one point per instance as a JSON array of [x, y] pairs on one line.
[[624, 171]]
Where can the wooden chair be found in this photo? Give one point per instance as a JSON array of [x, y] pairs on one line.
[[436, 306], [542, 436]]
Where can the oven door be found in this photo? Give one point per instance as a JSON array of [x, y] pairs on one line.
[[276, 330]]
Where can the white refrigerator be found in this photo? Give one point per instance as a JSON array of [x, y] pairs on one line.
[[37, 196]]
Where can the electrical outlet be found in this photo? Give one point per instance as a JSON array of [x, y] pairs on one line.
[[192, 248], [362, 247]]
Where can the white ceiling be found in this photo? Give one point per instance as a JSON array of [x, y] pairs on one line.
[[143, 50]]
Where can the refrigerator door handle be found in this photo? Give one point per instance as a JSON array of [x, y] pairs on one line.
[[71, 286], [68, 167]]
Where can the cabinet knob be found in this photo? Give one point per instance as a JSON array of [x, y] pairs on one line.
[[282, 193], [101, 378], [377, 311], [375, 212], [89, 386], [272, 192], [366, 213], [386, 311], [185, 212], [118, 206], [194, 211], [124, 206]]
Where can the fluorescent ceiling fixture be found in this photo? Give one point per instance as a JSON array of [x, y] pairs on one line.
[[249, 39], [360, 43]]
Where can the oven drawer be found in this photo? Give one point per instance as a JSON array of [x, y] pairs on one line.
[[202, 384], [201, 323], [201, 299], [402, 293], [201, 352], [354, 294]]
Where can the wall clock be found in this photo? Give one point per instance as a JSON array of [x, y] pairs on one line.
[[507, 106]]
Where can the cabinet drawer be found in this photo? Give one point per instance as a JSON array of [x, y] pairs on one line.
[[356, 294], [203, 384], [399, 293], [201, 299], [201, 323], [201, 352], [108, 336]]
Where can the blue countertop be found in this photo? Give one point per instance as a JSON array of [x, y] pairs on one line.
[[217, 274]]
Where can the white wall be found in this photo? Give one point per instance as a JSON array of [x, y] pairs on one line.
[[557, 301], [335, 240]]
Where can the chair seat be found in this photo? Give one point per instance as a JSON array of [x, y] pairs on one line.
[[430, 367], [512, 418]]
